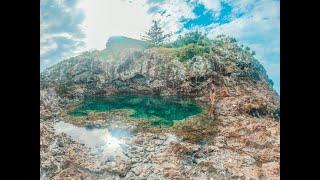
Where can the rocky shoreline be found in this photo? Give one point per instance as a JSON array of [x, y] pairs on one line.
[[240, 141], [243, 147]]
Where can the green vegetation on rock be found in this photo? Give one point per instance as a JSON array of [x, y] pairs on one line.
[[187, 52], [195, 37]]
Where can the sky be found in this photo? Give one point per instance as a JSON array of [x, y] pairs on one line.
[[69, 27]]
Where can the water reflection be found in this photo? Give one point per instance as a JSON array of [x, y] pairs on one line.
[[101, 140]]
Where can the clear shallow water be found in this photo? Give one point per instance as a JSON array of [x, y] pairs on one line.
[[165, 110]]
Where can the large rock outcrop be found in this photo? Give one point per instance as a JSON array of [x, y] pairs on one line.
[[241, 141], [159, 71]]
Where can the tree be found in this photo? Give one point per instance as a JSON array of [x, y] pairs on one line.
[[155, 34]]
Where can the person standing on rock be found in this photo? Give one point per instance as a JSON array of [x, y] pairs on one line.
[[212, 93], [212, 98]]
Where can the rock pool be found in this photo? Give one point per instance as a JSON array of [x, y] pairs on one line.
[[161, 110]]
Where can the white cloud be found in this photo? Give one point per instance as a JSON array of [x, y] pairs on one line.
[[241, 5], [214, 5], [260, 30], [105, 18], [175, 11], [60, 35], [129, 18], [47, 46]]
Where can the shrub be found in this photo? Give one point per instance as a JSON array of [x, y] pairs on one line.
[[195, 37], [187, 52]]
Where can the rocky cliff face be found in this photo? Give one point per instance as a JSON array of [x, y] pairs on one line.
[[159, 71], [242, 139]]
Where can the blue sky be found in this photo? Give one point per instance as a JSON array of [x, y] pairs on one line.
[[69, 27]]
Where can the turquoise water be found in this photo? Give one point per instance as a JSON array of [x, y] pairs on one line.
[[160, 110]]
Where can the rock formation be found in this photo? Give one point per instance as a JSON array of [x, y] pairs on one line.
[[240, 142]]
